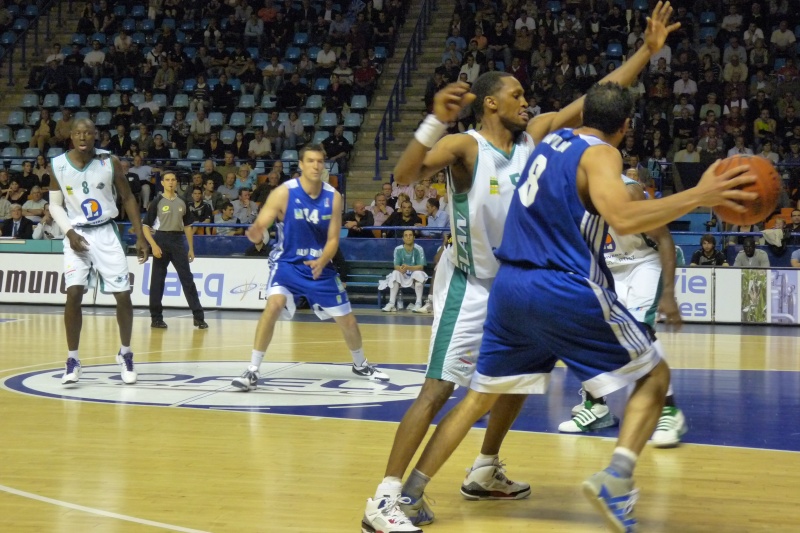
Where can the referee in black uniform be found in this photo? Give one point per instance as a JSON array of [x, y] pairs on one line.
[[168, 217]]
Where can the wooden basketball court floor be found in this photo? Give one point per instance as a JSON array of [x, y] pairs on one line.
[[179, 451]]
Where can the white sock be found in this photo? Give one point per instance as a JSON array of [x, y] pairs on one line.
[[390, 488], [484, 460], [255, 360], [73, 354], [358, 357], [418, 288], [125, 350], [669, 390], [393, 293]]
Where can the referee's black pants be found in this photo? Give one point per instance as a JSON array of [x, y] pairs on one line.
[[174, 250]]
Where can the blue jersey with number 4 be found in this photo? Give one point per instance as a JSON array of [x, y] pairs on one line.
[[304, 231], [547, 225]]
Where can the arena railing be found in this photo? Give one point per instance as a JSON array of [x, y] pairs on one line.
[[397, 97]]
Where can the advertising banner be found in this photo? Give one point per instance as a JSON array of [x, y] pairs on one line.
[[728, 296], [694, 291]]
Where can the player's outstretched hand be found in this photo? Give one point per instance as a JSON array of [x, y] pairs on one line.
[[141, 250], [317, 266], [658, 27], [449, 102], [668, 307], [255, 234], [722, 189], [77, 242]]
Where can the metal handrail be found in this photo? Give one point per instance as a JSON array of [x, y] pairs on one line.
[[398, 95]]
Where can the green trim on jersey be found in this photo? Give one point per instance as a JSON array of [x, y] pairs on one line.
[[501, 152], [650, 315], [460, 225], [447, 324]]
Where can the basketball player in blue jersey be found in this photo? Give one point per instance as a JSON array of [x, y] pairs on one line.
[[84, 180], [308, 214], [643, 267], [484, 169], [553, 296]]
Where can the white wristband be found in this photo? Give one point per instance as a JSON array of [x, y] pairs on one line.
[[430, 131]]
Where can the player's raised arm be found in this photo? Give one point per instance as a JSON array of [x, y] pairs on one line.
[[273, 207], [658, 28], [428, 152]]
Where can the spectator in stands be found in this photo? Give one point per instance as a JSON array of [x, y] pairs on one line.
[[272, 76], [293, 94], [739, 148], [15, 193], [210, 196], [158, 151], [93, 62], [213, 148], [768, 153], [337, 96], [750, 257], [44, 130], [201, 95], [228, 165], [47, 229], [251, 80], [5, 208], [55, 80], [688, 154], [272, 131], [225, 216], [787, 124], [712, 151], [254, 31], [292, 131], [223, 96], [437, 218], [734, 124], [199, 210], [199, 130], [229, 190], [404, 217], [179, 131], [125, 114], [708, 255], [409, 271], [220, 60], [166, 80], [121, 142], [782, 41], [380, 211], [263, 190], [735, 74], [259, 147], [33, 208], [239, 146], [209, 171], [764, 127], [344, 72], [357, 219], [17, 226], [337, 149], [196, 181], [145, 140], [326, 60], [244, 209], [383, 32], [43, 171], [365, 79]]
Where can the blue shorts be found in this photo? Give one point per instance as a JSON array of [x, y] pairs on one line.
[[326, 295], [537, 317]]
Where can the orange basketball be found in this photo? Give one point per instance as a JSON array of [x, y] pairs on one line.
[[767, 185]]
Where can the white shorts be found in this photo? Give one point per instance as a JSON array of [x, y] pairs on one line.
[[639, 290], [404, 280], [105, 256], [459, 311]]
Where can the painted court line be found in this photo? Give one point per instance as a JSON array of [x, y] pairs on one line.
[[98, 512]]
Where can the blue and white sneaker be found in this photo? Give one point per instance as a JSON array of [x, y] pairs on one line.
[[383, 515], [614, 497], [127, 370], [72, 372], [418, 511]]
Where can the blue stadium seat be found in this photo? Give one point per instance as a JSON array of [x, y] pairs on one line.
[[174, 153], [98, 36], [127, 85], [288, 68], [780, 62], [169, 23], [129, 25], [187, 25], [79, 39], [292, 53], [191, 52], [137, 99], [238, 120], [161, 100], [30, 153], [16, 118], [139, 38], [289, 156], [307, 119], [23, 136], [114, 100], [352, 121], [103, 119], [195, 154], [9, 152], [259, 119], [31, 12], [213, 82], [253, 51], [359, 103], [236, 84], [268, 102], [614, 51], [51, 101], [5, 135], [328, 121], [181, 101], [189, 84], [350, 136], [707, 31], [164, 134], [20, 25], [81, 115], [314, 103], [641, 5], [30, 101], [227, 136], [8, 38], [135, 134], [35, 115], [380, 52], [94, 101], [120, 11], [169, 118], [247, 101], [147, 26], [54, 151], [554, 6], [72, 101], [300, 39], [216, 119], [708, 18], [321, 85], [319, 136]]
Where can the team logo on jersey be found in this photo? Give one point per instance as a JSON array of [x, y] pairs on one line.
[[610, 246], [91, 209], [494, 186], [327, 203], [298, 214], [101, 186], [69, 190], [165, 209]]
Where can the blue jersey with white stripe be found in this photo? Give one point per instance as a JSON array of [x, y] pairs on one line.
[[303, 232], [547, 225]]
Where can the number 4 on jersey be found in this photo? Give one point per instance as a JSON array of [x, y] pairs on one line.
[[312, 216]]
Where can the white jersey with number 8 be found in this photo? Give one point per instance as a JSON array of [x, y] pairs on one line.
[[88, 192]]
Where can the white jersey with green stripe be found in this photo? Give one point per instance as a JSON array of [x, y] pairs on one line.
[[625, 252], [89, 191], [478, 216]]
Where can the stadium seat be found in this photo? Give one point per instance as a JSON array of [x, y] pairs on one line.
[[293, 54], [98, 36], [641, 5], [103, 119], [31, 12], [707, 31], [328, 121], [9, 152], [289, 68], [238, 120], [187, 26], [148, 27], [138, 11], [5, 135], [81, 115], [79, 39], [314, 103], [35, 115], [189, 84], [127, 85], [20, 25], [380, 52], [51, 101], [129, 25], [137, 98], [72, 101], [181, 101], [359, 103], [289, 156], [253, 51], [614, 51], [8, 38], [113, 101], [23, 136], [554, 6], [708, 18], [54, 151], [191, 52], [94, 101], [30, 153], [120, 11], [300, 39], [321, 85], [350, 136], [352, 121], [268, 102], [307, 119], [135, 134], [227, 136], [139, 38], [164, 134], [105, 86], [247, 101], [161, 100], [174, 153], [259, 119], [319, 136], [195, 154], [216, 119], [169, 118], [30, 101], [16, 118], [169, 23]]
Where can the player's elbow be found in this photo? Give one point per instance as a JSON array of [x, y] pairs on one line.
[[621, 224]]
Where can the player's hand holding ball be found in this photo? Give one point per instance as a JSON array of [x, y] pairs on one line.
[[724, 189], [448, 103]]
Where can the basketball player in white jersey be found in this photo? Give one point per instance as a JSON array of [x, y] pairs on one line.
[[483, 171], [83, 205], [643, 267]]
